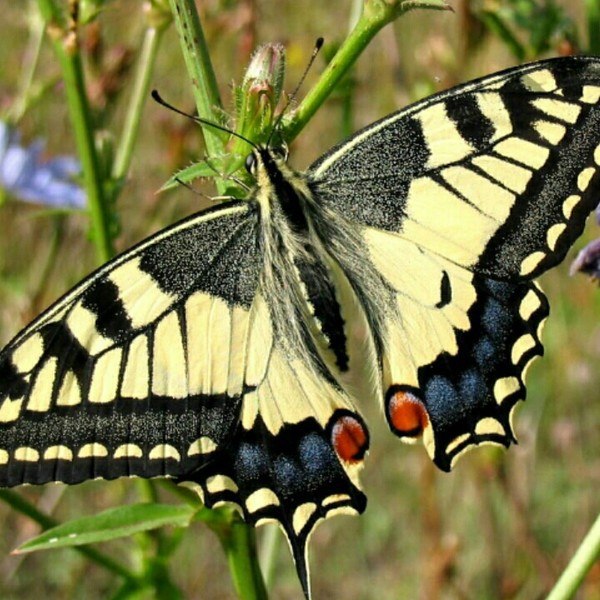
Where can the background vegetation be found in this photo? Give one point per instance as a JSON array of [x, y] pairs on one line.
[[502, 525]]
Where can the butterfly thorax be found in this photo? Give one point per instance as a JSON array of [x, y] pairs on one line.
[[297, 269]]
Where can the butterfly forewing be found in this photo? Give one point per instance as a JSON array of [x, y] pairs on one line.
[[460, 200], [139, 370]]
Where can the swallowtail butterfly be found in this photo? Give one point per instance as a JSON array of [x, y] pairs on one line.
[[233, 349]]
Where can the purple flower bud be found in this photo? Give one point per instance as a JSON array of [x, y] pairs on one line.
[[260, 91]]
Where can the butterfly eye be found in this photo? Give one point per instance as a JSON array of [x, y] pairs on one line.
[[250, 163]]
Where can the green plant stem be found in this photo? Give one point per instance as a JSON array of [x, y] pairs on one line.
[[592, 13], [585, 556], [376, 14], [269, 549], [201, 73], [243, 562], [239, 543], [141, 91], [20, 504], [30, 61], [66, 47]]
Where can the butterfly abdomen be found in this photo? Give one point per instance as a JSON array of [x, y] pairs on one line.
[[315, 266]]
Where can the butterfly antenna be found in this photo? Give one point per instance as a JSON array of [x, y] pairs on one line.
[[202, 194], [158, 98], [292, 96]]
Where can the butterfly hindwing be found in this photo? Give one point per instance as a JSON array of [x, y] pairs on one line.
[[461, 200], [287, 461]]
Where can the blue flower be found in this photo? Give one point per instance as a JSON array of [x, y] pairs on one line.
[[27, 176]]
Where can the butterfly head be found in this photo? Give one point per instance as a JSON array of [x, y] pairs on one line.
[[263, 157]]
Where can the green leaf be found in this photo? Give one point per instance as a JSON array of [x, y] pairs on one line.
[[214, 167], [109, 525]]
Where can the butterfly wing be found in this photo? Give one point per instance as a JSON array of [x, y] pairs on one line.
[[166, 362], [140, 369], [297, 455], [461, 200]]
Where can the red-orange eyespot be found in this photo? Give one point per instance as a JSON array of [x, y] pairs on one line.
[[349, 438], [406, 413]]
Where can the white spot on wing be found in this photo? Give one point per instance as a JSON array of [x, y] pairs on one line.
[[202, 445], [261, 498], [135, 377], [552, 132], [591, 94], [523, 151], [456, 442], [220, 483], [530, 263], [489, 426], [91, 450], [105, 377], [443, 139], [529, 305], [491, 105], [554, 233], [10, 409], [559, 109], [27, 355], [584, 178], [335, 498], [169, 376], [512, 176], [128, 451], [58, 452], [70, 392], [301, 516], [27, 454], [82, 325], [478, 189], [163, 451], [143, 300], [541, 80], [505, 387], [41, 393], [523, 345], [569, 204]]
